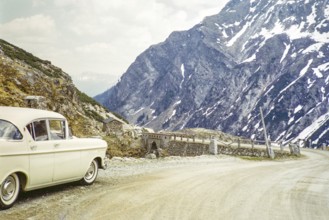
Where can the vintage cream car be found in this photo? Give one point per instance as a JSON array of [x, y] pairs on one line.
[[37, 150]]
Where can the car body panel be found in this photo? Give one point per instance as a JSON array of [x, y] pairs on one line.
[[46, 162]]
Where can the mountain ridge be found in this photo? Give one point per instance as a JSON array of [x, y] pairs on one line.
[[253, 54]]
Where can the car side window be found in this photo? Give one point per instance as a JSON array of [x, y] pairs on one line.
[[57, 129], [38, 130], [9, 131]]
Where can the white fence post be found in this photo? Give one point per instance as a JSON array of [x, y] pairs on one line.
[[213, 146]]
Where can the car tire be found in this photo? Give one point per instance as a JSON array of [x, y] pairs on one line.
[[9, 191], [91, 174]]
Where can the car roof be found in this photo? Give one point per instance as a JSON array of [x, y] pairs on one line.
[[22, 116]]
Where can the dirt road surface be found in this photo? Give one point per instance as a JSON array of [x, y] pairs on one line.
[[206, 187]]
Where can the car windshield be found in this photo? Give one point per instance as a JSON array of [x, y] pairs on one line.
[[9, 131]]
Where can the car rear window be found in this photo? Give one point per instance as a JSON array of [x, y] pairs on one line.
[[57, 129], [9, 131]]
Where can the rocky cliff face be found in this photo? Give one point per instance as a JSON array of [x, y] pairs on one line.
[[269, 54], [22, 75]]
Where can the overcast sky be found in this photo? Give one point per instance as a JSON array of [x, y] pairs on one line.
[[95, 41]]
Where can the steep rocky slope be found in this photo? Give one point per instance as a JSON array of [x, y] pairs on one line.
[[272, 54], [22, 75]]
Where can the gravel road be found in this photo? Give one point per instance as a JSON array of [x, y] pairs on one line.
[[205, 187]]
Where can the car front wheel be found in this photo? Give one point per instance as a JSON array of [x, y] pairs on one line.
[[9, 191], [91, 174]]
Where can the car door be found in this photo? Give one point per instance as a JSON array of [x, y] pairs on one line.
[[41, 154], [67, 155]]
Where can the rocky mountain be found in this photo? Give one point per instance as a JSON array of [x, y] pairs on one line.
[[269, 54], [23, 75]]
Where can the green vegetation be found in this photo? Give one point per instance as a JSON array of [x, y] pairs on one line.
[[120, 117], [94, 115], [9, 90], [86, 99], [28, 58], [83, 97]]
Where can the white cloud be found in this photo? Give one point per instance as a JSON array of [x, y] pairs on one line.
[[94, 47], [95, 83], [37, 28], [62, 3], [38, 3]]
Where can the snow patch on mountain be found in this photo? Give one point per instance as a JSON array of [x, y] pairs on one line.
[[326, 11], [286, 51], [308, 131], [298, 108], [182, 68], [239, 34]]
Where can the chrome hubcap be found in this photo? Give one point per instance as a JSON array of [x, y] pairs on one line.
[[8, 188], [90, 172]]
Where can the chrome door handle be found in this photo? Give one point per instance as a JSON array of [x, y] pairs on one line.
[[56, 145], [33, 147]]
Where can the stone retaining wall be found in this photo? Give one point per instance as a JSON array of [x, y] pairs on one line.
[[197, 149], [186, 149], [252, 152]]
